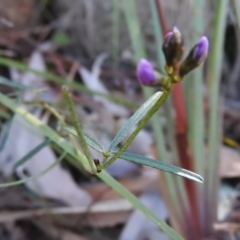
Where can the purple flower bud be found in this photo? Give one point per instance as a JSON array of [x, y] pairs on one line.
[[146, 73], [196, 56], [173, 47], [177, 34], [201, 50], [168, 37]]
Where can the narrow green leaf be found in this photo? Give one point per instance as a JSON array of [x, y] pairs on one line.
[[34, 151], [132, 121], [134, 28], [7, 82], [14, 183], [115, 29], [158, 33], [138, 205], [91, 141], [161, 165]]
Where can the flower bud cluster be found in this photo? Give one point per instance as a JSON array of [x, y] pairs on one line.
[[173, 49]]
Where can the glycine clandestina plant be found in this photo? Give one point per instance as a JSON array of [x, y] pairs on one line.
[[175, 70], [173, 49]]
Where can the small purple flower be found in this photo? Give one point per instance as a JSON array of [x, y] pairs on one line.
[[146, 73], [201, 50]]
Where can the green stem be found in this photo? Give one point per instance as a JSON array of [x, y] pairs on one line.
[[78, 128], [116, 185], [196, 110], [214, 75], [159, 35], [115, 30], [130, 139]]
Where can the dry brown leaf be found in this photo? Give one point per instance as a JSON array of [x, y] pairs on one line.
[[99, 220], [227, 227], [100, 214], [67, 235], [103, 220], [229, 162], [139, 227], [57, 183], [28, 137], [92, 81], [149, 179]]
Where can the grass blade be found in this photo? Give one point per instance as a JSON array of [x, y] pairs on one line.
[[134, 28], [6, 82], [29, 155], [5, 133], [138, 205], [197, 123], [196, 114], [158, 32], [214, 74], [115, 29]]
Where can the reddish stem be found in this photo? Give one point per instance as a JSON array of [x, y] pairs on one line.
[[183, 151], [161, 16], [182, 140]]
